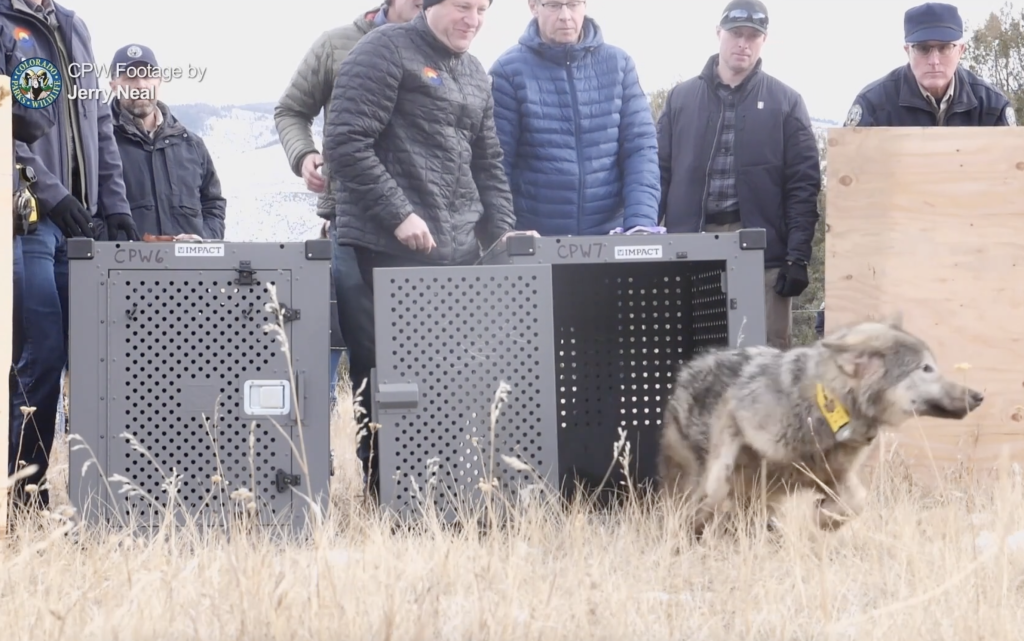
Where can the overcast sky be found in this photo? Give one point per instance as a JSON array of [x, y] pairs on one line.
[[826, 49]]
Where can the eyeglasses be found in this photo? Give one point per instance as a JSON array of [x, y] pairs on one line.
[[742, 15], [923, 50], [555, 7]]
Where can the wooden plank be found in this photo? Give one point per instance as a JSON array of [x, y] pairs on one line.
[[6, 274], [931, 221]]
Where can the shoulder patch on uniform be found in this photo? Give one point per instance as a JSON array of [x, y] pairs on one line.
[[1010, 116], [854, 115]]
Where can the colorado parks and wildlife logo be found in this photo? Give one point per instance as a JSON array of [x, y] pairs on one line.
[[36, 83]]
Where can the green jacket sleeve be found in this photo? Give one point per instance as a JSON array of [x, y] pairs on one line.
[[306, 94]]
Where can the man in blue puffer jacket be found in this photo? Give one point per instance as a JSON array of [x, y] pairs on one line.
[[580, 146]]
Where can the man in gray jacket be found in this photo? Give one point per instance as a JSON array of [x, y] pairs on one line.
[[309, 92], [80, 192]]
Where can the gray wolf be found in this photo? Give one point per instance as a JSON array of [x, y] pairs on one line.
[[733, 410]]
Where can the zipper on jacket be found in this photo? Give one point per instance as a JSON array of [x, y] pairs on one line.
[[71, 112], [76, 129], [449, 66], [151, 147], [576, 131], [711, 160]]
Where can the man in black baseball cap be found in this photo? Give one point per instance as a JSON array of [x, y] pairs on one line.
[[132, 55], [933, 88], [173, 186], [714, 179]]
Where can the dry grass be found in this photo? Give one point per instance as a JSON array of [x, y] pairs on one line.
[[919, 564]]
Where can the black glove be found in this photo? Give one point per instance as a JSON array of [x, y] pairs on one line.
[[792, 280], [71, 218], [117, 223]]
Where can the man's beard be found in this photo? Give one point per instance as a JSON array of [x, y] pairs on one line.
[[139, 108]]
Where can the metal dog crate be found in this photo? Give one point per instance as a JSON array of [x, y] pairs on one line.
[[587, 331], [169, 342]]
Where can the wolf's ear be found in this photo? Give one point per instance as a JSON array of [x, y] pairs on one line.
[[893, 319], [859, 364], [854, 359]]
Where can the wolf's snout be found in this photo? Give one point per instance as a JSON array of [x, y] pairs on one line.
[[974, 400]]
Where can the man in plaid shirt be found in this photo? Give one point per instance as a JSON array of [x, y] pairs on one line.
[[737, 151]]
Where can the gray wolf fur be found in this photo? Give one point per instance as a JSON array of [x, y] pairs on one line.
[[732, 410]]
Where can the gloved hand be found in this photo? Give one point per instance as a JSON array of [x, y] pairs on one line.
[[792, 280], [71, 218], [117, 223]]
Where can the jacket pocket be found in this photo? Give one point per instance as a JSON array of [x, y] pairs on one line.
[[185, 175], [187, 220], [762, 188]]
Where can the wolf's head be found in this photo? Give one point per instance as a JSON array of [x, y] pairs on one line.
[[892, 375]]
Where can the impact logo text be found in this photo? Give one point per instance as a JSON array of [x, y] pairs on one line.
[[637, 252], [198, 249]]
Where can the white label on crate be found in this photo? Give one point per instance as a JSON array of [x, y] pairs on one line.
[[198, 249], [637, 251]]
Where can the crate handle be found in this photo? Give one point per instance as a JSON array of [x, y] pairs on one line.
[[397, 396]]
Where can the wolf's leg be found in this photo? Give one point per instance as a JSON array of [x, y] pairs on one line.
[[724, 449], [852, 496]]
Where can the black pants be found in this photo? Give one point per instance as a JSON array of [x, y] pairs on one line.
[[368, 260], [355, 318]]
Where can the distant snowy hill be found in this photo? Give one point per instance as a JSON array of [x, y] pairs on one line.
[[266, 201]]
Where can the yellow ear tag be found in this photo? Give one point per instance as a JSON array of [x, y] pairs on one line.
[[832, 410]]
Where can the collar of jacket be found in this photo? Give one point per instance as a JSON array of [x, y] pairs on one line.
[[380, 15], [710, 75], [590, 39], [367, 20], [429, 38], [910, 93]]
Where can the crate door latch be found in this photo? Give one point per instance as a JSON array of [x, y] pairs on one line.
[[284, 480], [245, 272]]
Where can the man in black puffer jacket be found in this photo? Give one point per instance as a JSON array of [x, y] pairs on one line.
[[414, 156]]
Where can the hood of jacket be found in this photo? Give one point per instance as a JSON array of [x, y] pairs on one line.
[[590, 38], [367, 20]]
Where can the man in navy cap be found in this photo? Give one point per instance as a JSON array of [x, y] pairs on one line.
[[169, 175], [932, 89]]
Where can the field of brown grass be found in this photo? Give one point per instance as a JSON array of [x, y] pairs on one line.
[[939, 563]]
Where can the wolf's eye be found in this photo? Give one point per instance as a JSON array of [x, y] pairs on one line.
[[927, 369]]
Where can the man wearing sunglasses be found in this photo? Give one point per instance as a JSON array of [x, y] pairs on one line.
[[737, 150], [932, 89]]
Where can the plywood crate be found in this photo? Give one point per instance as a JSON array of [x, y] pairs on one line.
[[930, 221]]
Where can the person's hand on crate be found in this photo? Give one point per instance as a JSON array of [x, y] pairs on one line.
[[414, 234]]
